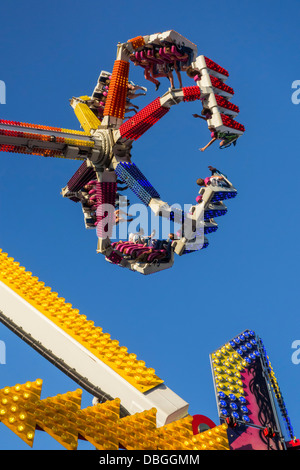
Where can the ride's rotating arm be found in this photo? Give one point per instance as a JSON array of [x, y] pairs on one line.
[[46, 141]]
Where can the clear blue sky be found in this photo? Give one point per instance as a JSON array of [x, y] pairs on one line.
[[247, 278]]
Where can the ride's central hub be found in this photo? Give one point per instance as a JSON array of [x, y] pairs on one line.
[[103, 149]]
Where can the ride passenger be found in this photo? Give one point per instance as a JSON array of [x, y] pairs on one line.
[[193, 73], [176, 62], [215, 180], [148, 70], [131, 91], [206, 114], [119, 219], [163, 70], [226, 139]]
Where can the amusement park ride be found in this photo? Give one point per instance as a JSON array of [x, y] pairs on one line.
[[132, 407]]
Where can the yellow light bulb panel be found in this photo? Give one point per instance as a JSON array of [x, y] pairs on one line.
[[61, 417], [17, 409], [86, 117], [76, 325]]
